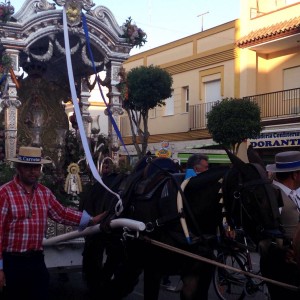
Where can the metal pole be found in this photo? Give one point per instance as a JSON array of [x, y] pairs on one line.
[[201, 15]]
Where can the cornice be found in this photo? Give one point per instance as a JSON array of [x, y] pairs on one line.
[[192, 38], [200, 62]]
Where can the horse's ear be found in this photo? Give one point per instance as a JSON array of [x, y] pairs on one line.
[[254, 157], [234, 159]]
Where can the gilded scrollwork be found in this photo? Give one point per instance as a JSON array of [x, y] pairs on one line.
[[86, 4]]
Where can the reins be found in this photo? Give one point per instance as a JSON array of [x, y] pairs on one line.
[[218, 264]]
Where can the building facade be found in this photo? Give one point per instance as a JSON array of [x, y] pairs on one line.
[[256, 57], [270, 70], [204, 68]]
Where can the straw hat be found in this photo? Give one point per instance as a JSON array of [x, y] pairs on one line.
[[288, 161], [30, 155]]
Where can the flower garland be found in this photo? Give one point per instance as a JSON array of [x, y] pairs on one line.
[[6, 11], [133, 34]]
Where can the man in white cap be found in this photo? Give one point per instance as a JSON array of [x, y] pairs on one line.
[[25, 205], [277, 262]]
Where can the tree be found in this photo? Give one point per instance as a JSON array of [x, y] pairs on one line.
[[143, 88], [233, 120]]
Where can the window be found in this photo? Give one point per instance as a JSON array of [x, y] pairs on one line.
[[212, 91], [291, 78], [186, 98], [169, 107]]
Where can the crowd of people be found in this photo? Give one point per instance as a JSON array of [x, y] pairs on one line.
[[25, 205]]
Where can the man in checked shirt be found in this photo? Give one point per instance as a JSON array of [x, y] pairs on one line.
[[25, 206]]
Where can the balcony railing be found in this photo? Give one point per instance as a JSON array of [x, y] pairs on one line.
[[278, 104], [282, 104], [197, 114]]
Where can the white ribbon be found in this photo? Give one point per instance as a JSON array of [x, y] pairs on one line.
[[119, 205]]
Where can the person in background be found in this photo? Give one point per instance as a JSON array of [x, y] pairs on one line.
[[277, 255], [196, 164], [25, 205]]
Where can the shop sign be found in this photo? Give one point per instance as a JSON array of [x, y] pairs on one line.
[[276, 139]]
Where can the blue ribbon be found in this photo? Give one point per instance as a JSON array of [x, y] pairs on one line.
[[87, 38], [3, 78], [288, 165], [29, 158]]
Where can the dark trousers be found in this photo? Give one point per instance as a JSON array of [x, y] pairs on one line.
[[273, 265], [27, 277]]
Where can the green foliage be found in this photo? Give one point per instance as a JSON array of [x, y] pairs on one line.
[[232, 120], [5, 65], [56, 185], [148, 87], [142, 89], [6, 173], [73, 149], [6, 11]]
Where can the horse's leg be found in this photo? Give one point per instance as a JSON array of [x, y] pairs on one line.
[[125, 274], [92, 262], [152, 281], [196, 283]]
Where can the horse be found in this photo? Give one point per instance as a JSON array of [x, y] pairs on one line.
[[150, 194]]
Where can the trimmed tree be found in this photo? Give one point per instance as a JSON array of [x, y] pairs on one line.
[[143, 88], [233, 120]]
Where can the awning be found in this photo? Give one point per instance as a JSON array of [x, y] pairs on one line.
[[212, 158]]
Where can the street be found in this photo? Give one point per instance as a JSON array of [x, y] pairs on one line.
[[72, 286]]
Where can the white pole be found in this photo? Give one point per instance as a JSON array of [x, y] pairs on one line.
[[117, 223]]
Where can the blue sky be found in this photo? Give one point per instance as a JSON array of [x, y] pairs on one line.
[[165, 21]]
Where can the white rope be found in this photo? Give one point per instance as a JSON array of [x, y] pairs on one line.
[[119, 205]]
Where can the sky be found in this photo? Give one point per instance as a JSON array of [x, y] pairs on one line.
[[165, 21]]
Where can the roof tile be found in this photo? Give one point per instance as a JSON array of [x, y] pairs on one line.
[[288, 27]]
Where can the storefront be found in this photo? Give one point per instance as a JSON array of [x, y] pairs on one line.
[[274, 140]]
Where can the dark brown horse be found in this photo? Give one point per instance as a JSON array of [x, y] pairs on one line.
[[150, 195]]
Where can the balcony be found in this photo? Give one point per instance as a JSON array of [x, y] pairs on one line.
[[273, 106]]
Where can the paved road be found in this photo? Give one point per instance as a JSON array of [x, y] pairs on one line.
[[73, 287]]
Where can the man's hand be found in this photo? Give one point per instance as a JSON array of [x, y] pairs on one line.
[[95, 220]]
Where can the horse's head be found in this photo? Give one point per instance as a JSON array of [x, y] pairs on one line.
[[250, 199]]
